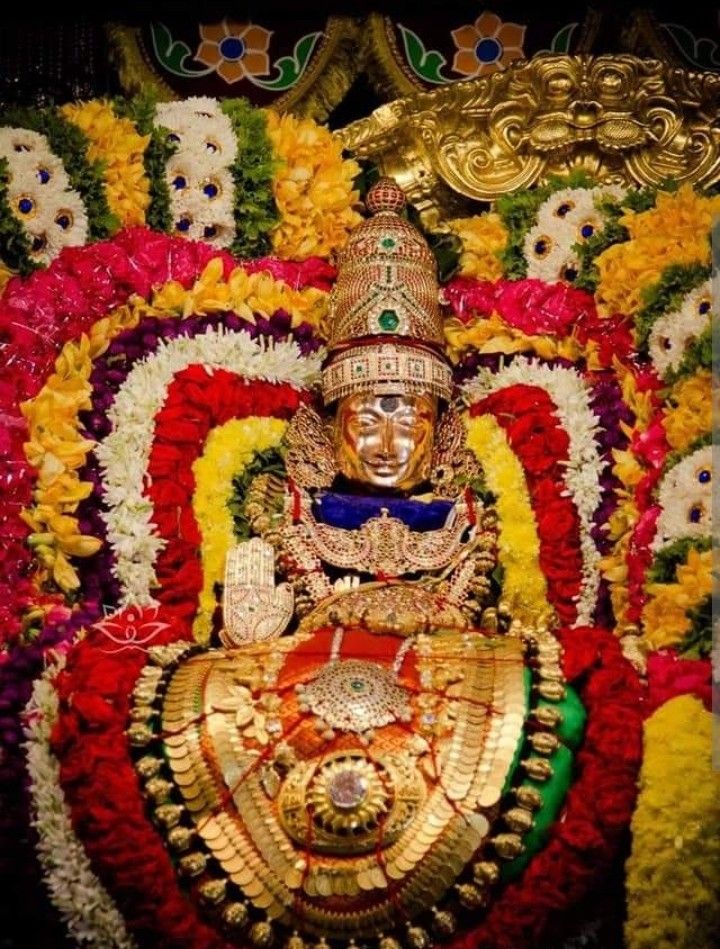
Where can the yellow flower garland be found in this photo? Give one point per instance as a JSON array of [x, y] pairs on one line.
[[57, 450], [675, 231], [242, 293], [525, 586], [674, 867], [665, 615], [690, 413], [118, 145], [228, 450], [55, 447], [493, 335], [484, 238], [313, 189]]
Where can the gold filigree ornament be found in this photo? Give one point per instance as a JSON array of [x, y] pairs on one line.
[[310, 456], [357, 804], [454, 466], [254, 609], [356, 695], [621, 118]]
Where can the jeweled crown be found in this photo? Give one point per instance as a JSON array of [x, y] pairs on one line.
[[386, 333]]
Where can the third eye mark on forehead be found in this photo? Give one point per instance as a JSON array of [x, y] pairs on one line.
[[388, 403]]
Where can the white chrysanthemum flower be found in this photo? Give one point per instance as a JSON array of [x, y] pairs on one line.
[[40, 196], [672, 332], [567, 217], [685, 496]]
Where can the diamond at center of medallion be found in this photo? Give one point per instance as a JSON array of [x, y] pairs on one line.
[[347, 790]]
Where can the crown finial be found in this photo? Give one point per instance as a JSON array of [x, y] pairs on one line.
[[385, 195]]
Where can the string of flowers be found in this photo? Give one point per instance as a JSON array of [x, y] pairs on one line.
[[86, 908], [584, 467], [672, 872], [530, 422], [124, 455], [524, 584]]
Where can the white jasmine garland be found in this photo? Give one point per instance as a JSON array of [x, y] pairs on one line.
[[37, 176], [87, 909], [206, 148], [125, 452], [584, 467], [685, 496], [672, 332]]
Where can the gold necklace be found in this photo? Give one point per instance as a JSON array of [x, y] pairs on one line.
[[356, 695]]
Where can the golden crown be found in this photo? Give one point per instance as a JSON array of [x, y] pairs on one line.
[[386, 333]]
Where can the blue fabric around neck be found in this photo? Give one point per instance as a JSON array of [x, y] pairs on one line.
[[352, 510]]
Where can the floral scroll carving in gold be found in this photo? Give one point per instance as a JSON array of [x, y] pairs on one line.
[[622, 118]]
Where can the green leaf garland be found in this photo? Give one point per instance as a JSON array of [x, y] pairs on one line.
[[256, 213], [667, 295], [667, 560]]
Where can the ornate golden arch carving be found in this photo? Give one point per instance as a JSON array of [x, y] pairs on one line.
[[620, 117]]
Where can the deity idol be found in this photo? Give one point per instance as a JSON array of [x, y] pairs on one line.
[[376, 745]]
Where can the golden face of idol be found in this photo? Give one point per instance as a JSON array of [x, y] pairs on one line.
[[385, 441]]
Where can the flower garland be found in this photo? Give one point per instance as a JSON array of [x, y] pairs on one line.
[[176, 446], [530, 422], [584, 467], [313, 188], [672, 872], [524, 584], [125, 453], [115, 141], [688, 415], [86, 908], [229, 449], [673, 232]]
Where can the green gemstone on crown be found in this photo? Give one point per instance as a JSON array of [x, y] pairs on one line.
[[388, 243], [388, 321]]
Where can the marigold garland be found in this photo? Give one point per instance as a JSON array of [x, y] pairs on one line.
[[114, 141], [689, 415], [674, 867], [675, 231], [524, 584], [228, 451], [313, 187], [666, 619], [483, 240]]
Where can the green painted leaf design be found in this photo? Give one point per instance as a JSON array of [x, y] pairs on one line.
[[171, 54], [291, 68], [562, 39], [426, 63]]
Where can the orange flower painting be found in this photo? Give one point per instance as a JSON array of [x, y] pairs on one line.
[[487, 45], [235, 50]]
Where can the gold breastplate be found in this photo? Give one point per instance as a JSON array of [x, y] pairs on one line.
[[336, 794]]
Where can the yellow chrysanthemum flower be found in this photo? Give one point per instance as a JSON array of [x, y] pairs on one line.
[[116, 143], [484, 238], [673, 870], [665, 615], [675, 231], [313, 189], [690, 412]]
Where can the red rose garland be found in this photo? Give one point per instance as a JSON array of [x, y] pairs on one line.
[[528, 417], [197, 402]]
